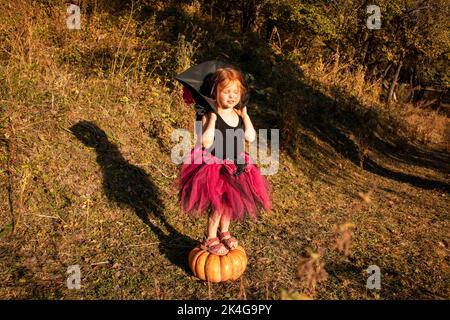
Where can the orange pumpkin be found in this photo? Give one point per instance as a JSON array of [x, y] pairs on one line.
[[213, 268]]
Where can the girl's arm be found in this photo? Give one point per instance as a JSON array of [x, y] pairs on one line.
[[209, 124], [249, 130]]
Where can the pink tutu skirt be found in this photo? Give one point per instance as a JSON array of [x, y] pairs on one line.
[[207, 182]]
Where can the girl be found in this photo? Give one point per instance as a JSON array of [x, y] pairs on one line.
[[228, 185]]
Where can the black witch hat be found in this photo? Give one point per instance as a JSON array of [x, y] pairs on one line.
[[200, 82]]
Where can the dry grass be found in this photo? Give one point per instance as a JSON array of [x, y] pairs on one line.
[[85, 161], [334, 79]]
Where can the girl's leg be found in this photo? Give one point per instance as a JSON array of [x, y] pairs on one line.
[[224, 235], [224, 223], [213, 224], [212, 243]]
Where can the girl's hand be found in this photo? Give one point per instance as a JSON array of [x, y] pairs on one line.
[[249, 130], [212, 116], [207, 138], [242, 112]]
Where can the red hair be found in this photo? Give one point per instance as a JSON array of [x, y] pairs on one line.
[[223, 77]]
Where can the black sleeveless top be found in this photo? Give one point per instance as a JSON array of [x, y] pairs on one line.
[[231, 137]]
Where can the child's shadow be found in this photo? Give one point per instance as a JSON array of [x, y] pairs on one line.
[[128, 184]]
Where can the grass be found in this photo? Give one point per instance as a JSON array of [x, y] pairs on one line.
[[85, 159]]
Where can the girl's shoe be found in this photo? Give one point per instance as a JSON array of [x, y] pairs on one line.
[[213, 245], [229, 241]]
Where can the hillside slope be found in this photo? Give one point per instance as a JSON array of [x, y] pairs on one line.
[[86, 178]]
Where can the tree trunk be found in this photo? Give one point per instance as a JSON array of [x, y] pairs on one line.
[[250, 13], [386, 71], [365, 48], [394, 81], [270, 25]]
